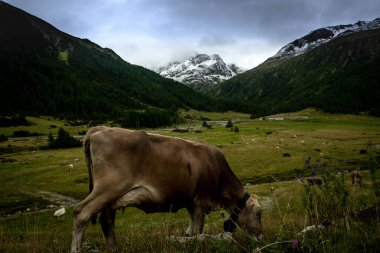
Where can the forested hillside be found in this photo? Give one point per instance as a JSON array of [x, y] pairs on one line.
[[339, 76], [46, 71]]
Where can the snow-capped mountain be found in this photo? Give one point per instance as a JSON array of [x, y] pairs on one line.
[[200, 72], [321, 36]]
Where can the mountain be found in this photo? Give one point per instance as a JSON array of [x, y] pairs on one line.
[[340, 75], [45, 71], [321, 36], [201, 72]]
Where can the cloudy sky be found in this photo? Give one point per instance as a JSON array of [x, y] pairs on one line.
[[152, 33]]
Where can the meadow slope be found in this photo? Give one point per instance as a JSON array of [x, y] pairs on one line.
[[263, 153]]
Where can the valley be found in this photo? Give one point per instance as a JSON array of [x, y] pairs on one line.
[[263, 154], [296, 130]]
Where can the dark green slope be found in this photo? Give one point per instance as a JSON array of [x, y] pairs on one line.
[[46, 71], [342, 75]]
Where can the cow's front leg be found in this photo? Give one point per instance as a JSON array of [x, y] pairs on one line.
[[197, 216], [107, 222]]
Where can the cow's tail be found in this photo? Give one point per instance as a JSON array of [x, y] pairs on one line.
[[87, 152]]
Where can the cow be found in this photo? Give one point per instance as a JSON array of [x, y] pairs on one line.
[[156, 173]]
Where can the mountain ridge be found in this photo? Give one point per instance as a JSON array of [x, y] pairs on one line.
[[339, 76], [322, 35]]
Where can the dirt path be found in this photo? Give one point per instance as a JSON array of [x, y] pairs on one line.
[[54, 197]]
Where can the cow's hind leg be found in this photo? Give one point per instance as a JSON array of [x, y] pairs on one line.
[[107, 222], [197, 216], [82, 214]]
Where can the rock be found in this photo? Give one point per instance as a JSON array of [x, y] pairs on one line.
[[311, 228], [60, 212]]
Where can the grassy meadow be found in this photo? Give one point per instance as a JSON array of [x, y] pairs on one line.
[[267, 155]]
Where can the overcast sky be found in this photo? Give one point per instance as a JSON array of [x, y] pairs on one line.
[[152, 33]]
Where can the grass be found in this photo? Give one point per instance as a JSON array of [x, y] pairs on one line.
[[255, 153], [64, 56]]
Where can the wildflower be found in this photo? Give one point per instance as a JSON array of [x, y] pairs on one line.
[[295, 244]]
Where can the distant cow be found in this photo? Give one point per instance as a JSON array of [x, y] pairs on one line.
[[156, 173]]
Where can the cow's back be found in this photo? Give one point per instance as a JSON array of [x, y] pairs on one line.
[[173, 169]]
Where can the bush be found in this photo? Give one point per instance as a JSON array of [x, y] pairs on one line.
[[3, 138], [229, 124], [13, 121], [64, 140], [205, 125]]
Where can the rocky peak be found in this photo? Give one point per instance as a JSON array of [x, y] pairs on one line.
[[201, 71], [199, 58]]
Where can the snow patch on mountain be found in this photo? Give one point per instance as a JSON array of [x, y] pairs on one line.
[[321, 36], [201, 72]]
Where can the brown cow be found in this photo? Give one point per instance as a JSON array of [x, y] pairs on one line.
[[156, 173]]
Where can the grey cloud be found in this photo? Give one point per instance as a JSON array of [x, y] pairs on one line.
[[272, 19], [196, 24], [215, 40]]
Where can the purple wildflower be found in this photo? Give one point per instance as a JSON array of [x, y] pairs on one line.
[[295, 244]]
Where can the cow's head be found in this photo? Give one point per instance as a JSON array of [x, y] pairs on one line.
[[250, 218]]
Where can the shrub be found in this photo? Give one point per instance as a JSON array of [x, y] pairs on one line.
[[3, 138], [13, 121], [64, 140], [205, 125], [229, 124]]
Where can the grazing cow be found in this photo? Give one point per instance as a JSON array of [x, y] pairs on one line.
[[156, 173]]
